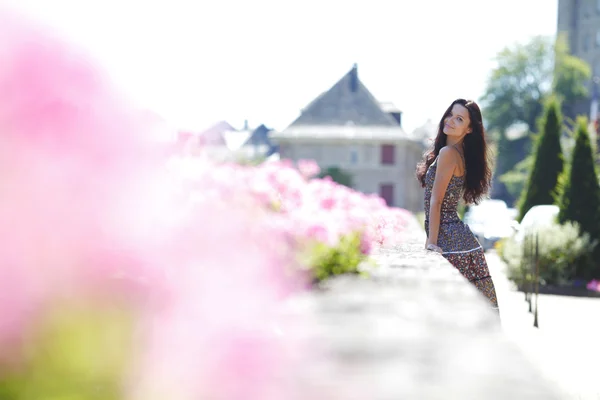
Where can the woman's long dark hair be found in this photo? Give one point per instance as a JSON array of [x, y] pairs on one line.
[[478, 173]]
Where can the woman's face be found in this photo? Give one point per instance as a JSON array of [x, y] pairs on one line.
[[457, 123]]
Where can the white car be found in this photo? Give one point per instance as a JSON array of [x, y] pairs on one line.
[[537, 217], [491, 221]]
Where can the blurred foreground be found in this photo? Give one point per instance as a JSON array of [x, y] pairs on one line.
[[130, 276]]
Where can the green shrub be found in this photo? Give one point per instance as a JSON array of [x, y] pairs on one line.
[[564, 255], [76, 352], [579, 198], [500, 247], [327, 261], [338, 175]]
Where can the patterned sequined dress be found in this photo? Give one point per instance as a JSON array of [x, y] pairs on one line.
[[458, 243]]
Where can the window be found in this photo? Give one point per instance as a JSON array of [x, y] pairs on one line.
[[353, 156], [586, 42], [598, 38], [388, 154], [598, 6], [386, 192]]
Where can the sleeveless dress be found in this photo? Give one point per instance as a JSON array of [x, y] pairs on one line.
[[459, 245]]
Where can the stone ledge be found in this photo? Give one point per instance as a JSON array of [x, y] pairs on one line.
[[415, 329]]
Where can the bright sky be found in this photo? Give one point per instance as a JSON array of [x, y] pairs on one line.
[[198, 61]]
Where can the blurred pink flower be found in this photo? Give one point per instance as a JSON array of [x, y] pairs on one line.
[[308, 168], [89, 213], [214, 337], [204, 254], [70, 154]]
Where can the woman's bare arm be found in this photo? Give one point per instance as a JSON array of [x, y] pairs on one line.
[[446, 164]]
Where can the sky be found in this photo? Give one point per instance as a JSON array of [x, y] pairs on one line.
[[195, 62]]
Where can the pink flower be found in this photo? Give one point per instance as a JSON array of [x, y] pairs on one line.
[[366, 242], [89, 214], [214, 337], [308, 168], [67, 170], [203, 255], [317, 232]]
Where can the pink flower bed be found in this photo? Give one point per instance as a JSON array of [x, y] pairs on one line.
[[593, 285], [303, 207], [146, 280]]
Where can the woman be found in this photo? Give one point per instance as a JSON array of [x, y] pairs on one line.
[[457, 166]]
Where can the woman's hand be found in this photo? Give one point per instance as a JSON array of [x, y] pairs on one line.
[[433, 247]]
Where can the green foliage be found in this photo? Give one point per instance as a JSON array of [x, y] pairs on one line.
[[548, 161], [564, 255], [570, 73], [75, 354], [250, 161], [337, 175], [462, 209], [579, 198], [500, 247], [516, 179], [328, 261], [525, 76], [517, 86], [512, 167]]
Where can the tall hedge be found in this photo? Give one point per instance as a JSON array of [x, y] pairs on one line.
[[548, 162], [579, 199]]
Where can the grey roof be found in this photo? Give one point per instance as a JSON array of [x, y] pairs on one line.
[[261, 136], [347, 102], [388, 107]]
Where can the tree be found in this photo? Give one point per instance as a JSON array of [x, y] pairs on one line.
[[525, 75], [518, 85], [515, 180], [548, 161], [570, 75], [337, 175], [579, 198], [514, 157]]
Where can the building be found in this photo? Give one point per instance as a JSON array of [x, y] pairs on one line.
[[426, 133], [224, 143], [580, 20], [347, 128]]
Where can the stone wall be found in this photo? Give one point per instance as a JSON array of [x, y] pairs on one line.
[[415, 329]]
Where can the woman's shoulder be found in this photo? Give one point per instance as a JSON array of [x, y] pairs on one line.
[[448, 155]]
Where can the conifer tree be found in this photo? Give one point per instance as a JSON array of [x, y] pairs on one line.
[[548, 163], [579, 198]]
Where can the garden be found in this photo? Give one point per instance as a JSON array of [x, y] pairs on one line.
[[559, 209]]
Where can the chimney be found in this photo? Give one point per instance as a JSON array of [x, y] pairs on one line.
[[354, 78], [245, 125]]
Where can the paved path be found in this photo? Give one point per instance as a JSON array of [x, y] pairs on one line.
[[566, 345]]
